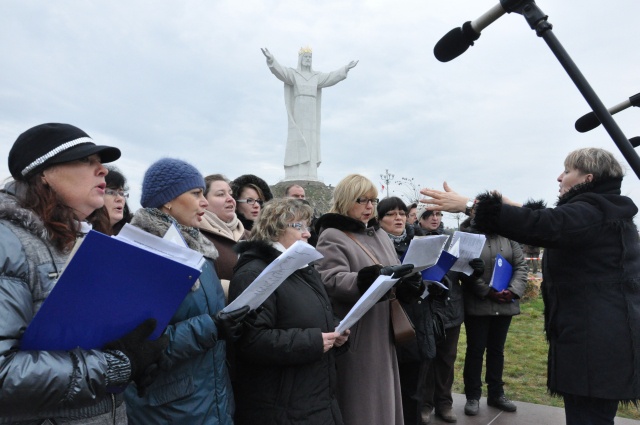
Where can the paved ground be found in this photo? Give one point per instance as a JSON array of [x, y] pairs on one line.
[[527, 414]]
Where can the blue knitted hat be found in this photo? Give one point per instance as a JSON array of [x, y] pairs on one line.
[[166, 179]]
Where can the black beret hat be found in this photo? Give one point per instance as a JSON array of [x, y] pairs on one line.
[[47, 144], [238, 184]]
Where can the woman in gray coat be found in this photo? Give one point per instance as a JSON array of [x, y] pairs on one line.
[[368, 378], [487, 317]]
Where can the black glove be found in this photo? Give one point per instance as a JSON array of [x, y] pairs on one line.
[[366, 277], [438, 293], [435, 290], [141, 352], [477, 264], [409, 288], [229, 323], [150, 374], [397, 271]]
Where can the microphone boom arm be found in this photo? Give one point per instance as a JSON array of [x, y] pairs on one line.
[[537, 20]]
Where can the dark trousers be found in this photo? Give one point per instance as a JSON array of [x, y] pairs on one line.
[[485, 333], [412, 379], [581, 410], [440, 375]]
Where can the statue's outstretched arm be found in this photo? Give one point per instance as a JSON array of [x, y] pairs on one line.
[[352, 64], [268, 55]]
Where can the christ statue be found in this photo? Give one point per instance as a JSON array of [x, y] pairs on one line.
[[302, 97]]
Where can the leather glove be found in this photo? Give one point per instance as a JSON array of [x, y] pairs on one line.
[[229, 323], [477, 264], [366, 277], [141, 352], [494, 296], [397, 271], [409, 288]]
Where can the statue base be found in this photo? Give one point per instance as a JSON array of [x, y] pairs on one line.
[[317, 193]]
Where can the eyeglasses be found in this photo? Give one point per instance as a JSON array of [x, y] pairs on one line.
[[301, 227], [365, 201], [115, 193], [251, 201]]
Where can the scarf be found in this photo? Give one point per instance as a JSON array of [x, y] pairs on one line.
[[233, 230], [399, 238]]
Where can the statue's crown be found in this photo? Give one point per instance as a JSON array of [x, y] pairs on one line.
[[305, 50]]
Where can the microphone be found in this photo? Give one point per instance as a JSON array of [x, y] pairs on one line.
[[458, 40], [635, 141], [590, 121]]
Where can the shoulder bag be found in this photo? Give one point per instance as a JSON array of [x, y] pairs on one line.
[[403, 329]]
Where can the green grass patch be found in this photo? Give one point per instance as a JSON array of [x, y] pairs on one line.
[[525, 368]]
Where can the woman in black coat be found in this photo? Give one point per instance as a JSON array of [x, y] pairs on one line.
[[413, 357], [286, 370], [591, 287]]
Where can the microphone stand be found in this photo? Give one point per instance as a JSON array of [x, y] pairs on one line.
[[537, 20]]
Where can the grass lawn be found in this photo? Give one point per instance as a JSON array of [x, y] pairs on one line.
[[525, 369]]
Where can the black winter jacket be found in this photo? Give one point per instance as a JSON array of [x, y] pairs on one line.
[[283, 376], [591, 287], [449, 305], [423, 347]]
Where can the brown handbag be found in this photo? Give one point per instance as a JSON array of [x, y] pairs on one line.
[[403, 329]]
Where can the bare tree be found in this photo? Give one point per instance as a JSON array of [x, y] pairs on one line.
[[410, 190]]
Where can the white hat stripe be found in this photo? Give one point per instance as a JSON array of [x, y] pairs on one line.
[[54, 152]]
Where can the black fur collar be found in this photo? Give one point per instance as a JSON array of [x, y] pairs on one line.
[[256, 249], [342, 222]]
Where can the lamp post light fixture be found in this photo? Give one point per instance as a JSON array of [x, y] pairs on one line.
[[386, 178]]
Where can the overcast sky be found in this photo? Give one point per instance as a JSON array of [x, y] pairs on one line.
[[187, 79]]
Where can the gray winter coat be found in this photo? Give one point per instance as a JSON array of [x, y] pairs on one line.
[[475, 290], [368, 376], [35, 385]]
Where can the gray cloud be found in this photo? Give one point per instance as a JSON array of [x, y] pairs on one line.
[[188, 80]]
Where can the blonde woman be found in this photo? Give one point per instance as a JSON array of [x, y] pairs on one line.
[[354, 249]]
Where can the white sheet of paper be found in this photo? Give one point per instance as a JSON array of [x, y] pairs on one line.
[[424, 251], [377, 289], [425, 294], [181, 253], [470, 246], [173, 234], [296, 256]]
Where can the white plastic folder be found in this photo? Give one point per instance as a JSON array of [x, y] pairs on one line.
[[296, 256], [109, 287]]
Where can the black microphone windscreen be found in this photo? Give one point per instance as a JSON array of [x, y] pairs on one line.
[[587, 122], [635, 141], [452, 45], [455, 42]]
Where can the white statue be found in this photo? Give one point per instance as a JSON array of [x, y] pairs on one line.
[[302, 96]]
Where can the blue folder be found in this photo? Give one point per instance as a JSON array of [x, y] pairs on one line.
[[502, 272], [437, 271], [108, 288]]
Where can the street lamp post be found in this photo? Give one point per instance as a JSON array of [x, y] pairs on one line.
[[386, 178]]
